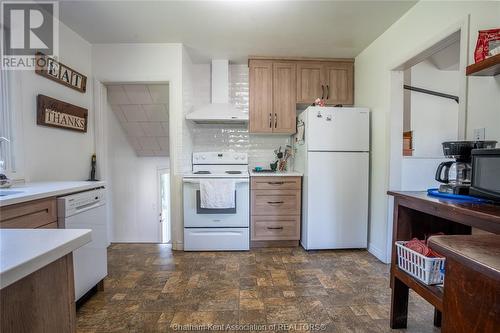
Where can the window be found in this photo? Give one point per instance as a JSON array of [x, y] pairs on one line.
[[7, 124]]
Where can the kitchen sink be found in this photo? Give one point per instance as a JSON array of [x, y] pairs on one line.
[[4, 193]]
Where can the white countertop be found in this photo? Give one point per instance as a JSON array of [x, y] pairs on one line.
[[24, 251], [39, 190], [276, 174]]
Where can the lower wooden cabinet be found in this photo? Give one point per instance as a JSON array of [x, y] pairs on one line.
[[275, 202], [41, 302], [275, 227], [275, 211], [30, 215]]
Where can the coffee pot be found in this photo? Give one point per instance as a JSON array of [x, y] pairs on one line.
[[455, 176]]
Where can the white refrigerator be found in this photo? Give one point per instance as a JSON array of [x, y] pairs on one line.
[[333, 151]]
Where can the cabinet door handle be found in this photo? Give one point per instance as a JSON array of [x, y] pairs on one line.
[[270, 121], [322, 91], [327, 91], [275, 228], [276, 183], [275, 202], [275, 120]]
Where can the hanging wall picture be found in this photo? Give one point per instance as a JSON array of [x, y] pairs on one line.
[[54, 113], [56, 71]]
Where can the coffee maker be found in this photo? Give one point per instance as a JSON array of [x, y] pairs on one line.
[[455, 176]]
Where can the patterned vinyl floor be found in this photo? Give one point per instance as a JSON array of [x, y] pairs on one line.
[[151, 288]]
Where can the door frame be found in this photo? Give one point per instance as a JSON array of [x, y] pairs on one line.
[[160, 171], [440, 40], [100, 98]]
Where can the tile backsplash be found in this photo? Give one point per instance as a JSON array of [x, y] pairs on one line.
[[260, 148]]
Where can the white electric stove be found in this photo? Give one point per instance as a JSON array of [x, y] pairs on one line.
[[217, 229]]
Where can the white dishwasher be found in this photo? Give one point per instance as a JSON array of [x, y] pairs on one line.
[[87, 210]]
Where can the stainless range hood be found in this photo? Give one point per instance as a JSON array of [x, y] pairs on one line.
[[220, 111]]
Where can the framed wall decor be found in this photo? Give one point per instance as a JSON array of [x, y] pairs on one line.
[[58, 72], [55, 113]]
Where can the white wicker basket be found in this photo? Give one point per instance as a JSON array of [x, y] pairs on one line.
[[427, 270]]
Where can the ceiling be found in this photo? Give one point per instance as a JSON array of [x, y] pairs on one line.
[[142, 111], [235, 29]]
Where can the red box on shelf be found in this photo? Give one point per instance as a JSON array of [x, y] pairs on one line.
[[486, 41]]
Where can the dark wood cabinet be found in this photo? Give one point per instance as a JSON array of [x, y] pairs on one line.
[[418, 215]]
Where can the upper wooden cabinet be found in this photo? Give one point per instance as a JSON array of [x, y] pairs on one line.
[[332, 81], [278, 84], [272, 97], [284, 98], [310, 81], [339, 83], [261, 97]]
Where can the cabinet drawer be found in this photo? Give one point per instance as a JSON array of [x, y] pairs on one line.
[[275, 202], [32, 214], [275, 228], [276, 183]]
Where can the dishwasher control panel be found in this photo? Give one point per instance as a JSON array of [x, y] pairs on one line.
[[75, 203]]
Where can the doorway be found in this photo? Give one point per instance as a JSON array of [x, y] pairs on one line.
[[136, 132], [164, 204], [412, 167]]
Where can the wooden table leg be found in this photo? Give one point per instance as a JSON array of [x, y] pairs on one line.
[[437, 317], [399, 304]]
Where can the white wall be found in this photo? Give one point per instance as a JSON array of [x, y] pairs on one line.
[[373, 88], [121, 63], [433, 119], [52, 153], [417, 174], [133, 187]]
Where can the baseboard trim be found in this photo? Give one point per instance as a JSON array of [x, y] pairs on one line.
[[378, 253], [178, 246]]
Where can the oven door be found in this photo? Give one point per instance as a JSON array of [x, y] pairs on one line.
[[196, 217]]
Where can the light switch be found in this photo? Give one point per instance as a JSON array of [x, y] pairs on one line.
[[479, 134]]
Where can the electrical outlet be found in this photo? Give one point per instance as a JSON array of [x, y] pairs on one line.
[[479, 134]]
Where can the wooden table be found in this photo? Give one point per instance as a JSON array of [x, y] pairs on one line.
[[418, 215], [471, 299]]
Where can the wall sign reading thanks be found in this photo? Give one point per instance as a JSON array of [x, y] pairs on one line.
[[54, 113], [56, 71]]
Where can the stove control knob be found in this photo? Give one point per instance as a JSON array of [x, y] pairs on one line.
[[203, 157], [196, 158], [236, 157], [242, 157]]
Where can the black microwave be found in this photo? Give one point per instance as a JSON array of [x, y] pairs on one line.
[[485, 181]]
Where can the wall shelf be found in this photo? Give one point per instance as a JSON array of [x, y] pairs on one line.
[[487, 67]]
